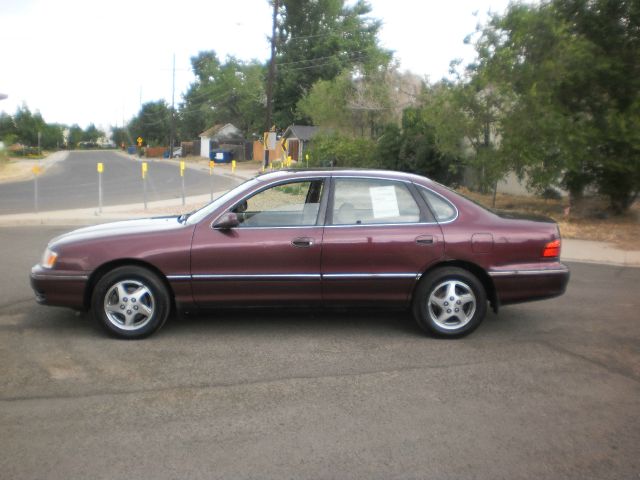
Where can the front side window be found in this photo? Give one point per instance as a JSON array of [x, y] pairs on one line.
[[360, 201], [292, 204]]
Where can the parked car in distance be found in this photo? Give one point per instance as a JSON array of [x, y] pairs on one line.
[[314, 238], [177, 152]]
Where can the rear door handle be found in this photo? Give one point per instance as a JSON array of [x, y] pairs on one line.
[[425, 240], [302, 242]]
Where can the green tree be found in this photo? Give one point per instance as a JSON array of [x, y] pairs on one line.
[[357, 103], [51, 136], [120, 136], [389, 146], [466, 121], [319, 40], [75, 136], [28, 125], [229, 92], [8, 131], [336, 150], [573, 67], [153, 123], [91, 134]]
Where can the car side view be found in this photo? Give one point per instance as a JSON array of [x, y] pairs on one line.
[[312, 238]]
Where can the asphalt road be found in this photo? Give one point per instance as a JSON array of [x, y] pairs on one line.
[[547, 390], [73, 183]]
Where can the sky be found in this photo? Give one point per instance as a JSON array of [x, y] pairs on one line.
[[91, 61]]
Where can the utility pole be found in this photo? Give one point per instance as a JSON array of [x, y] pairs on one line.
[[172, 134], [271, 78]]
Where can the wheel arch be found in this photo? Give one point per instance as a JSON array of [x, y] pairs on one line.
[[124, 262], [479, 272]]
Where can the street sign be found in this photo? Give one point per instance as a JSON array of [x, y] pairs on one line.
[[270, 140], [139, 141]]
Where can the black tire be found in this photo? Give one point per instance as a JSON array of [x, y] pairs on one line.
[[449, 302], [130, 302]]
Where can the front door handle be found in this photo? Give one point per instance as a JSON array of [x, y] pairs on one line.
[[425, 240], [302, 242]]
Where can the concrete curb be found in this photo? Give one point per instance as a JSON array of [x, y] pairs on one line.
[[588, 251], [241, 173]]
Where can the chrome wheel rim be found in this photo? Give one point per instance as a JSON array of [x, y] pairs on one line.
[[451, 305], [129, 305]]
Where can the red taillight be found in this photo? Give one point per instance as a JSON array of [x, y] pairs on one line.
[[551, 249]]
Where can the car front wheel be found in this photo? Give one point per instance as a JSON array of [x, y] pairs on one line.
[[449, 302], [130, 302]]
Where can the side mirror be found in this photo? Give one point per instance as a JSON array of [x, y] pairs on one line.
[[227, 221]]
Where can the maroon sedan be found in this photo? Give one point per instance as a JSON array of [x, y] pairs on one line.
[[311, 238]]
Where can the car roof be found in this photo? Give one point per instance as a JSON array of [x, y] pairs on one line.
[[342, 172]]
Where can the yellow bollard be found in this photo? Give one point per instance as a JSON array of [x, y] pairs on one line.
[[144, 170], [233, 166], [211, 165], [100, 167], [182, 167]]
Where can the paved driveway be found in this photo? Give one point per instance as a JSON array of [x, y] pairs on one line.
[[543, 390]]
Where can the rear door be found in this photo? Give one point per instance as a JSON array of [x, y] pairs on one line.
[[378, 239]]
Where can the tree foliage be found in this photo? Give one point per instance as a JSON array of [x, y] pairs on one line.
[[573, 67], [120, 136], [91, 134], [229, 92], [31, 129], [339, 150], [318, 40], [75, 135], [8, 131], [360, 104], [153, 123]]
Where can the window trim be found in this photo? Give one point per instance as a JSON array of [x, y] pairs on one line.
[[433, 213]]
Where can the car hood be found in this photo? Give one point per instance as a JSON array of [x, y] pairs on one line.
[[116, 229]]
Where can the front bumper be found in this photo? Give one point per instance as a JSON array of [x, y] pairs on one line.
[[59, 288], [523, 283]]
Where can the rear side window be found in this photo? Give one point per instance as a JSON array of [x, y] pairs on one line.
[[363, 201], [442, 208]]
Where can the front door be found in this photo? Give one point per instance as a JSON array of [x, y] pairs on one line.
[[272, 257]]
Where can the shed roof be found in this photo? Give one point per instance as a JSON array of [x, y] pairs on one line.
[[302, 132], [220, 131]]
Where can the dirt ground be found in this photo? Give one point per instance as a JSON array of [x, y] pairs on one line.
[[16, 170]]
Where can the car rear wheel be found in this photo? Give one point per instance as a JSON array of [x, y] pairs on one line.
[[130, 302], [449, 302]]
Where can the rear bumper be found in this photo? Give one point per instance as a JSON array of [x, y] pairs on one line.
[[59, 288], [523, 283]]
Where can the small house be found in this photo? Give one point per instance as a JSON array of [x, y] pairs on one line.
[[218, 136]]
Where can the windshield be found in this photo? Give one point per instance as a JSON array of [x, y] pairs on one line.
[[198, 215]]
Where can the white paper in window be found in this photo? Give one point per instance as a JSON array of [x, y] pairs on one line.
[[384, 202]]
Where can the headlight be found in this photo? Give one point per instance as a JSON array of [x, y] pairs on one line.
[[49, 258]]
